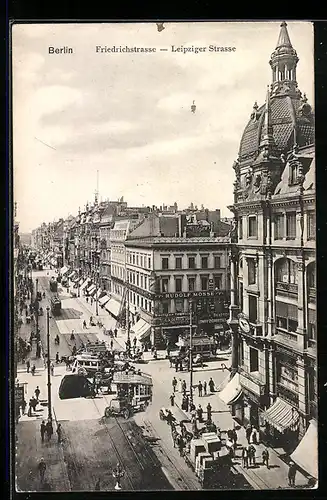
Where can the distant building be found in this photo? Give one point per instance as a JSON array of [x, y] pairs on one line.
[[169, 260]]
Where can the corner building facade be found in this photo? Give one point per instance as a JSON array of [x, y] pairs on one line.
[[273, 301]]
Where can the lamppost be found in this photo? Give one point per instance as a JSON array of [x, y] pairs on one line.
[[48, 365], [191, 348], [127, 316], [36, 308]]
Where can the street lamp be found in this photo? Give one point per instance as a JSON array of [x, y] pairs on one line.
[[190, 348], [48, 365]]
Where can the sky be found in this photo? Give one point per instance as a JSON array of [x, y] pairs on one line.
[[128, 116]]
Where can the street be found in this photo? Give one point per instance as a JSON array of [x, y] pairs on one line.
[[92, 445]]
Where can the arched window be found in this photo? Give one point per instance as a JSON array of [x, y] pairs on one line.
[[286, 271]]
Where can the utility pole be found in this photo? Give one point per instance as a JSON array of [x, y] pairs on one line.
[[191, 348], [48, 366], [36, 307]]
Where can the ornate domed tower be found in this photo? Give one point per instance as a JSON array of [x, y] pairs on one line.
[[272, 259], [284, 121]]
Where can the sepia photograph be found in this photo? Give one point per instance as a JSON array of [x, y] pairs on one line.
[[164, 256]]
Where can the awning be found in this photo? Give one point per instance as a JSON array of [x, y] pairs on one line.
[[113, 307], [306, 453], [93, 291], [281, 415], [80, 281], [63, 270], [141, 329], [104, 300], [86, 282], [90, 288], [232, 391], [71, 274], [99, 293]]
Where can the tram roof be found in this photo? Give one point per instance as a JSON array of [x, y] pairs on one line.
[[132, 378]]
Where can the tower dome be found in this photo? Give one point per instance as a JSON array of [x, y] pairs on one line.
[[290, 116]]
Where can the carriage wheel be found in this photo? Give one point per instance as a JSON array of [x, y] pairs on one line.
[[127, 414], [107, 412]]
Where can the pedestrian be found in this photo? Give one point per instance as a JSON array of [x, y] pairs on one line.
[[42, 467], [115, 332], [91, 320], [49, 429], [205, 388], [111, 345], [199, 413], [52, 368], [234, 437], [252, 453], [28, 365], [200, 387], [172, 399], [209, 412], [180, 444], [211, 385], [174, 383], [57, 357], [29, 411], [37, 392], [59, 433], [245, 457], [187, 403], [254, 437], [72, 335], [176, 365], [265, 457], [291, 474], [248, 432], [42, 430], [184, 387], [87, 300], [192, 406], [24, 404], [97, 485], [134, 341], [33, 369]]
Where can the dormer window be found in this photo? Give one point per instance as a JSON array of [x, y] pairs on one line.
[[292, 174]]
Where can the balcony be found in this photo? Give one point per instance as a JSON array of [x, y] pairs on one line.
[[286, 288]]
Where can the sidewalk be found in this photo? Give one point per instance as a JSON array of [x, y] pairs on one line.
[[276, 477], [24, 332]]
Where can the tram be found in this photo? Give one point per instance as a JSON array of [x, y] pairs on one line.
[[136, 386], [55, 303]]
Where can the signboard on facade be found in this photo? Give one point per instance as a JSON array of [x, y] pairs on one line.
[[190, 295], [251, 385]]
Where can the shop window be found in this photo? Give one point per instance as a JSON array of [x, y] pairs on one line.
[[252, 271], [164, 307], [311, 219], [312, 334], [217, 282], [178, 284], [254, 360], [286, 316], [240, 228], [204, 262], [179, 305], [178, 262], [191, 262], [253, 308], [191, 284], [291, 225], [252, 227], [217, 262], [204, 283], [279, 226], [149, 262], [286, 271], [164, 263], [164, 285]]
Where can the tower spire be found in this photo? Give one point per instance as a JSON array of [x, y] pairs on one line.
[[283, 63], [268, 143], [96, 194]]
